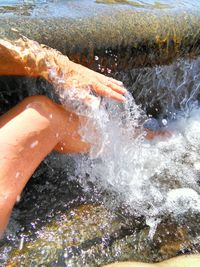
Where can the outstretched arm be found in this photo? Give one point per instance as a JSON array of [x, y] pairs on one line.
[[25, 57]]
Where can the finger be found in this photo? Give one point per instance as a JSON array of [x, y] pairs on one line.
[[103, 90], [103, 78], [115, 81], [117, 88], [84, 96], [112, 83]]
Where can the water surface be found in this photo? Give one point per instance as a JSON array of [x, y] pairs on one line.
[[84, 8]]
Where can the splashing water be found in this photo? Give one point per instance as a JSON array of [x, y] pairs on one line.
[[150, 178], [166, 91]]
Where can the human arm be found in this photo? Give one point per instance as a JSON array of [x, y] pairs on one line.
[[25, 57]]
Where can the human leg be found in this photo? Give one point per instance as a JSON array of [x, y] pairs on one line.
[[28, 132], [181, 261]]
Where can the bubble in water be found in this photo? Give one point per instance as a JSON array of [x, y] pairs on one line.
[[164, 122]]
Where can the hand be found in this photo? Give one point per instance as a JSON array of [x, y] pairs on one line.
[[84, 78], [80, 84]]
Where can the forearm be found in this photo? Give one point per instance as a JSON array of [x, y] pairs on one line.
[[28, 58]]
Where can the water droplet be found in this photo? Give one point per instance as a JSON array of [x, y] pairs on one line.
[[164, 122], [17, 174], [197, 166], [21, 244], [18, 198], [34, 144]]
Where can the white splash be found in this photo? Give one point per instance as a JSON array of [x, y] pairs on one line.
[[142, 174], [164, 122]]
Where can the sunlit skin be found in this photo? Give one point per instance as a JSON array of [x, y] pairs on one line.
[[37, 125], [181, 261]]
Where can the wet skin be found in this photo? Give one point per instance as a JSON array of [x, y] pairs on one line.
[[28, 58]]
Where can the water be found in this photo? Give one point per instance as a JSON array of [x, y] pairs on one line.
[[85, 8], [155, 178], [167, 91], [144, 174]]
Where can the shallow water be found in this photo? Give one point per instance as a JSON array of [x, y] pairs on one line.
[[85, 8]]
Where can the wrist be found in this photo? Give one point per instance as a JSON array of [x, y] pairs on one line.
[[57, 66], [40, 61]]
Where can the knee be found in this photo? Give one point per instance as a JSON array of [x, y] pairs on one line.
[[47, 109], [37, 99], [40, 103]]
